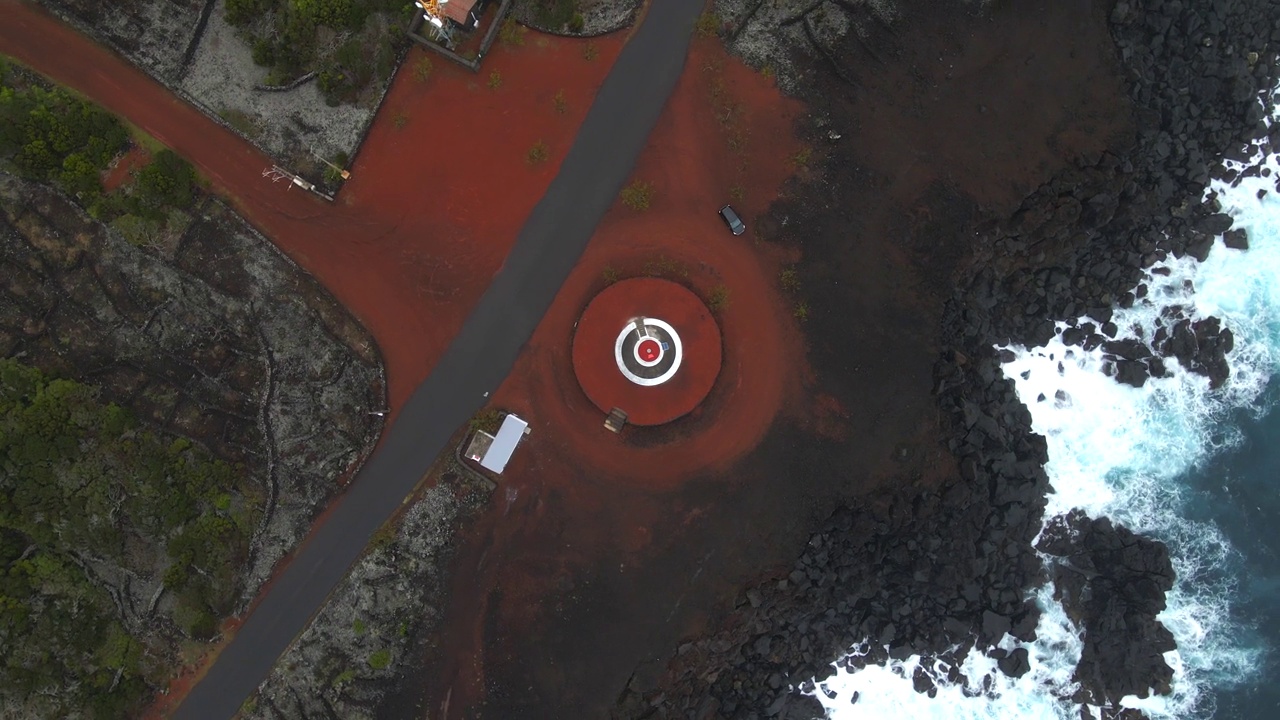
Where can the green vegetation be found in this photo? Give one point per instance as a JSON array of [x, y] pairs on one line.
[[737, 193], [380, 659], [555, 14], [347, 43], [719, 298], [399, 119], [422, 69], [560, 103], [576, 23], [789, 280], [609, 275], [538, 154], [801, 311], [590, 51], [487, 421], [241, 122], [495, 80], [707, 26], [84, 487], [358, 627], [511, 34], [638, 195], [802, 157], [332, 173], [48, 135]]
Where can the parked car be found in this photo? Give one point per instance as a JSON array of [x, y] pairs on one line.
[[733, 220]]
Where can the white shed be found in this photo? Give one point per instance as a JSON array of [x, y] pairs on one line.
[[504, 444]]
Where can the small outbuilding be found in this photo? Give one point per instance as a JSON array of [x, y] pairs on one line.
[[493, 452]]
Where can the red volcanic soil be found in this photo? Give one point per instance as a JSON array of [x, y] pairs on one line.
[[128, 162], [596, 336], [432, 206], [600, 548]]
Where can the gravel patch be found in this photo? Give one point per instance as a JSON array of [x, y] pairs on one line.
[[293, 125], [379, 622], [599, 17], [152, 35]]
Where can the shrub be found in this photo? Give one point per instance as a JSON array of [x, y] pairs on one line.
[[358, 627], [801, 311], [637, 195], [561, 105], [538, 153], [264, 52], [802, 156], [708, 24], [380, 659], [590, 51], [495, 80], [576, 23], [609, 274], [719, 298], [422, 69], [512, 34], [554, 13], [789, 279], [487, 421], [400, 119]]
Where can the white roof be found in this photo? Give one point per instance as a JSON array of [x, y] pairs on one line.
[[504, 444]]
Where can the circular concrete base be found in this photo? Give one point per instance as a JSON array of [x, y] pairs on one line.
[[609, 314]]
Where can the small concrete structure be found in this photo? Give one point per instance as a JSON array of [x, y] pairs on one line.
[[493, 452]]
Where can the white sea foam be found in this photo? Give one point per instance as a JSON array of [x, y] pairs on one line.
[[1120, 452]]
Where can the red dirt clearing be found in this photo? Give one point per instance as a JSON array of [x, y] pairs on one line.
[[432, 206], [595, 339], [128, 162], [584, 513]]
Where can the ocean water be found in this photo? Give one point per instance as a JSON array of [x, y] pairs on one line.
[[1194, 467]]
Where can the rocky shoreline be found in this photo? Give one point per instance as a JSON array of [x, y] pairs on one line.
[[905, 572]]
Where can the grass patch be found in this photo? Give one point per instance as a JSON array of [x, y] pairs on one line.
[[400, 119], [609, 275], [380, 659], [638, 195], [590, 52], [802, 157], [495, 80], [719, 298], [560, 103], [241, 121], [538, 154], [486, 421], [737, 193], [708, 25], [789, 279], [801, 311], [358, 627], [512, 34], [422, 69]]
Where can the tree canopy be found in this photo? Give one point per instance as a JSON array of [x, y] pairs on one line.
[[84, 485]]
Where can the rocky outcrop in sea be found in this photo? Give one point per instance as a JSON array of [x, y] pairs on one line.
[[906, 572]]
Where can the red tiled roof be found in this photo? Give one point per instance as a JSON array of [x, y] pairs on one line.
[[458, 10]]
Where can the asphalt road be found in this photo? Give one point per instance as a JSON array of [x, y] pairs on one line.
[[484, 351]]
